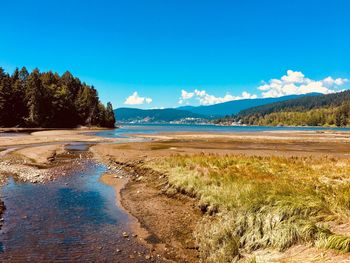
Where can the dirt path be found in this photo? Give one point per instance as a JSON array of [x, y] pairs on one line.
[[171, 220]]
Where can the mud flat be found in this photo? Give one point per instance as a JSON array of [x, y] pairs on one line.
[[172, 217], [50, 136], [58, 207]]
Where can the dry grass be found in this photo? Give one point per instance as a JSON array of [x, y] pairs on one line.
[[262, 202]]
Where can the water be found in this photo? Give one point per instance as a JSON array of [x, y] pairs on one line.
[[72, 219], [126, 130]]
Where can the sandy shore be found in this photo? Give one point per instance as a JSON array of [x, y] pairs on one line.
[[258, 143], [31, 156], [52, 136]]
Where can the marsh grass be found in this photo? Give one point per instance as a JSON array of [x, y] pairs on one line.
[[262, 202]]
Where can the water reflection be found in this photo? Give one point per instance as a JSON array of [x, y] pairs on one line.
[[72, 219], [129, 129]]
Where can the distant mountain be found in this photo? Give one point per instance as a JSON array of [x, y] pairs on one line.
[[235, 106], [326, 110], [153, 115], [311, 101], [199, 112]]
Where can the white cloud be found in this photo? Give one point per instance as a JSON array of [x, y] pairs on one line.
[[295, 82], [207, 99], [135, 99], [186, 95], [157, 108], [329, 81]]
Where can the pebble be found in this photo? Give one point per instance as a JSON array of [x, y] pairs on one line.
[[126, 235]]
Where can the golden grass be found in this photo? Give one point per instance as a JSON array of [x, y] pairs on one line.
[[262, 202]]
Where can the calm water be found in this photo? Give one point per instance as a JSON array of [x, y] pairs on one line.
[[127, 130], [72, 219]]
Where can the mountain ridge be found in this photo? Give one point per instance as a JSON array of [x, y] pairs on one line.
[[154, 115], [125, 114], [235, 106]]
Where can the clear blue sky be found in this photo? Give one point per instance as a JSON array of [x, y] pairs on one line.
[[158, 48]]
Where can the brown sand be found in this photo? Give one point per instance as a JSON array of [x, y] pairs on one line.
[[40, 154], [51, 136]]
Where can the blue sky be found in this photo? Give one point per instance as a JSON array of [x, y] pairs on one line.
[[183, 51]]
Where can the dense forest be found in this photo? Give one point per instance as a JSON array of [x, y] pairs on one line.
[[301, 104], [46, 99], [326, 110]]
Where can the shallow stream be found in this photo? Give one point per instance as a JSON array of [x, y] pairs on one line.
[[74, 218]]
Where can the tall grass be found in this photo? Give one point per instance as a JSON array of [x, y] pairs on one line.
[[262, 202]]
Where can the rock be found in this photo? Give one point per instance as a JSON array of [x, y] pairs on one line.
[[125, 235], [119, 250], [148, 257], [139, 178]]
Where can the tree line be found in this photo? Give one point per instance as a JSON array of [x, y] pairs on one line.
[[325, 110], [46, 99], [326, 116], [301, 104]]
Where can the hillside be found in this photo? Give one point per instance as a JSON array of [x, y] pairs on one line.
[[153, 115], [301, 104], [326, 110], [199, 112], [235, 106]]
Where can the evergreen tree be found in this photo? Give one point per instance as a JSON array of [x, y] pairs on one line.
[[18, 107], [110, 119], [5, 99], [34, 99], [49, 100]]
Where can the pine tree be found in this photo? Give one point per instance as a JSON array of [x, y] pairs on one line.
[[110, 119], [34, 99], [50, 100], [5, 99]]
